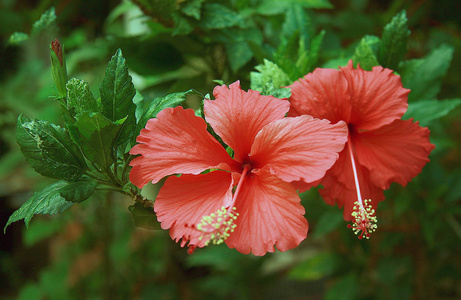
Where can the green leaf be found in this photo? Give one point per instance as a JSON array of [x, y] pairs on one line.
[[48, 201], [424, 76], [239, 53], [328, 222], [429, 110], [364, 54], [347, 288], [79, 98], [182, 25], [307, 60], [49, 149], [149, 109], [269, 72], [217, 16], [193, 9], [394, 41], [143, 217], [47, 19], [270, 90], [315, 268], [97, 136], [273, 7], [117, 90], [79, 190], [17, 38]]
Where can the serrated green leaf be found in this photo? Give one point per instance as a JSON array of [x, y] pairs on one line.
[[97, 135], [269, 72], [143, 217], [47, 19], [79, 190], [17, 38], [307, 60], [193, 8], [79, 98], [217, 16], [49, 149], [48, 201], [149, 109], [394, 41], [423, 76], [364, 54], [296, 20], [270, 90], [117, 89], [429, 110]]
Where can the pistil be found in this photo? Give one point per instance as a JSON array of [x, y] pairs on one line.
[[364, 219], [218, 226]]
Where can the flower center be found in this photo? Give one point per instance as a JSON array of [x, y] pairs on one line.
[[218, 226], [364, 219]]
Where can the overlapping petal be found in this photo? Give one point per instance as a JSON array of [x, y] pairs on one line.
[[393, 153], [301, 148], [377, 97], [183, 201], [175, 142], [322, 94], [270, 214], [237, 116]]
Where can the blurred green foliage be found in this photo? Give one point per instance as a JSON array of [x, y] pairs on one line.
[[94, 250]]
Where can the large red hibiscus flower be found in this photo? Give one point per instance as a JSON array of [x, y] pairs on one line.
[[381, 148], [246, 200]]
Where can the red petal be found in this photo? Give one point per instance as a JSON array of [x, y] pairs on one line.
[[322, 94], [393, 153], [339, 186], [377, 97], [183, 201], [175, 142], [270, 213], [301, 148], [237, 116]]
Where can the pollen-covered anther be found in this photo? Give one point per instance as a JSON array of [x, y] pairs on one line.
[[364, 219], [218, 226]]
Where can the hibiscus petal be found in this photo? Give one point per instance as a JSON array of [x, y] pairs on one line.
[[270, 213], [183, 201], [339, 186], [301, 148], [377, 97], [322, 94], [237, 116], [175, 142], [393, 153]]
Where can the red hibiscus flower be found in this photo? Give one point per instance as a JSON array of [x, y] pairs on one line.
[[381, 148], [246, 200]]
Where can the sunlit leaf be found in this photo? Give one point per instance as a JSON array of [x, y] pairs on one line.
[[97, 136], [364, 54]]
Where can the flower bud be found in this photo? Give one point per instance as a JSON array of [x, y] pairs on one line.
[[58, 67]]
